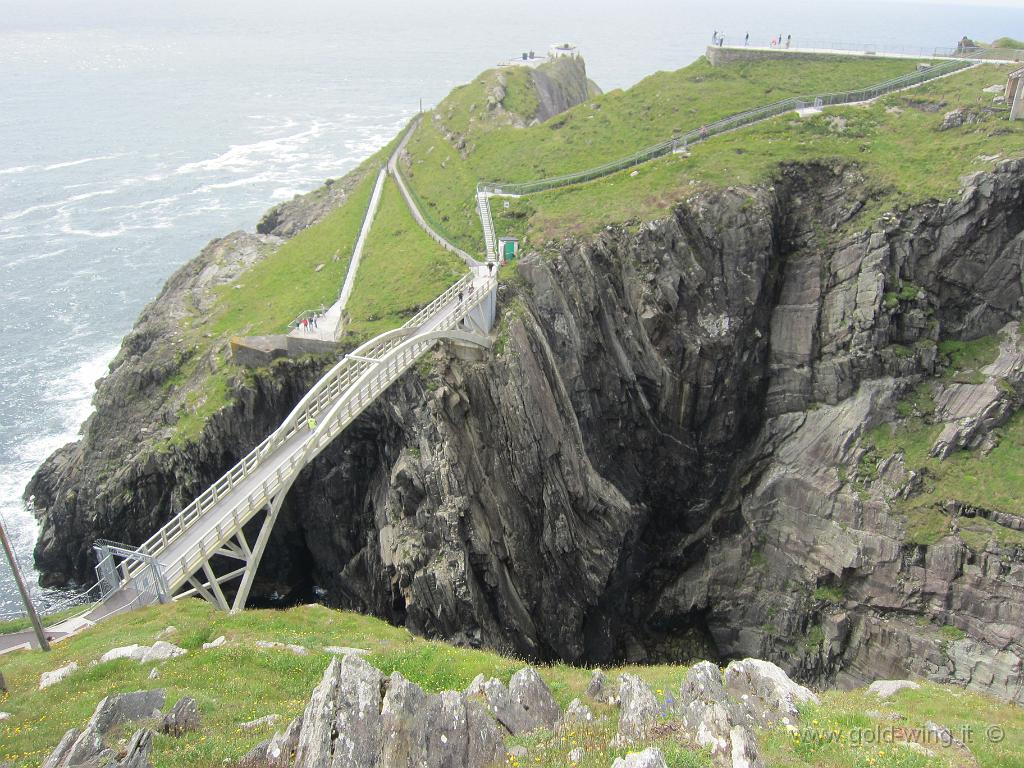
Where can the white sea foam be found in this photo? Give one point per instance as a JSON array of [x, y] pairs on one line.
[[57, 204], [72, 398], [240, 157], [83, 161], [30, 257], [285, 193], [68, 229], [16, 169]]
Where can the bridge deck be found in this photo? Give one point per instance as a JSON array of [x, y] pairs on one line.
[[221, 520]]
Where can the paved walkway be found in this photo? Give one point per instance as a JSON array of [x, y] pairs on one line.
[[864, 53], [26, 638]]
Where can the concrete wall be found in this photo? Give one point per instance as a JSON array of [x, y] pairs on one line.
[[261, 351], [297, 347], [1017, 103], [258, 351], [726, 55]]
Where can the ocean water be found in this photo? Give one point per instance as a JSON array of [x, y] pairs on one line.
[[133, 133]]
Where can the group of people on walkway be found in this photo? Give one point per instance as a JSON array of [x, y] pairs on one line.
[[718, 38], [309, 324]]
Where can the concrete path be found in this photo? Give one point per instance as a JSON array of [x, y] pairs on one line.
[[396, 174], [864, 53], [120, 601], [328, 325]]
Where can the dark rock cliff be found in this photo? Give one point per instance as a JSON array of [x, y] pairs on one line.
[[652, 463]]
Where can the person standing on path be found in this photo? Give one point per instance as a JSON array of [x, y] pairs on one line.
[[789, 38], [746, 40], [714, 37]]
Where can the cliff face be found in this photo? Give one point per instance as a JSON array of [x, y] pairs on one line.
[[655, 461], [560, 84]]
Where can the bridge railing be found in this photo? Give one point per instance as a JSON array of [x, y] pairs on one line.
[[401, 354], [724, 125], [312, 403]]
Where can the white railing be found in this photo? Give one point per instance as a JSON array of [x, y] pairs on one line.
[[417, 209], [324, 392], [331, 386], [357, 398], [483, 205]]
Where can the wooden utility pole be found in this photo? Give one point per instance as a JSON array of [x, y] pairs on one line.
[[25, 597]]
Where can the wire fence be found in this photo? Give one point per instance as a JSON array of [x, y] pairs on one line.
[[681, 141], [986, 54]]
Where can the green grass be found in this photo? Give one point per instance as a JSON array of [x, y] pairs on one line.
[[830, 594], [610, 126], [905, 158], [965, 357], [839, 733], [263, 299], [401, 271], [278, 288], [238, 682], [1008, 42], [990, 481]]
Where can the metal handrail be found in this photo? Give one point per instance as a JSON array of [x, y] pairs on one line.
[[330, 386], [403, 355], [721, 126]]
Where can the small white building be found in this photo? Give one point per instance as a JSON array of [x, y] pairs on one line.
[[565, 49]]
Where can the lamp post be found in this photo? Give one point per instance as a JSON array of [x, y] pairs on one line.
[[25, 597]]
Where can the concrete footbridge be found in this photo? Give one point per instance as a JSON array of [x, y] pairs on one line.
[[179, 559]]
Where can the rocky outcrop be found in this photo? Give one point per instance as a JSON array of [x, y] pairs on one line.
[[87, 748], [649, 758], [161, 650], [765, 692], [638, 711], [57, 675], [658, 462], [183, 717], [561, 84], [127, 708], [358, 718], [524, 706]]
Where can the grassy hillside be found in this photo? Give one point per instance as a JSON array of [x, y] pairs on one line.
[[238, 682], [608, 127], [402, 269], [896, 141]]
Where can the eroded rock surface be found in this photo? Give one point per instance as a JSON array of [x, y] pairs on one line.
[[358, 718]]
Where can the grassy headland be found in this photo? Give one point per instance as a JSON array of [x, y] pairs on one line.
[[238, 682]]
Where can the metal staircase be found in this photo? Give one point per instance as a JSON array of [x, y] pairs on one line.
[[483, 206]]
